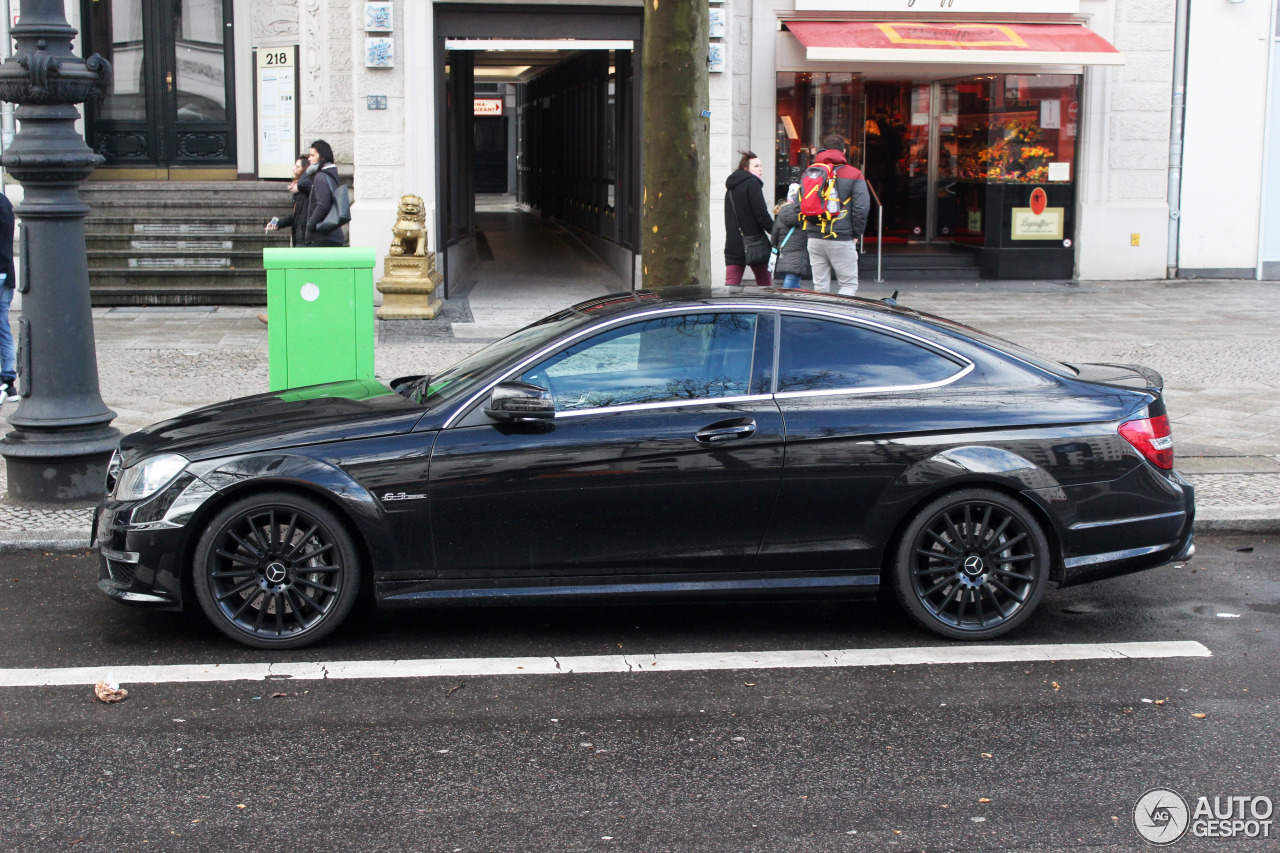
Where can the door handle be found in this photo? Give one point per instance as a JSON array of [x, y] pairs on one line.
[[168, 81], [714, 434]]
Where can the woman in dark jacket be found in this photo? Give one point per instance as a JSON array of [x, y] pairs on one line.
[[301, 189], [745, 213], [324, 182]]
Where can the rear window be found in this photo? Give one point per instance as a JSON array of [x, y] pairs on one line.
[[1059, 368], [824, 355]]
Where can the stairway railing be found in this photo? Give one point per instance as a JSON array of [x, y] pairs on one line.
[[862, 241]]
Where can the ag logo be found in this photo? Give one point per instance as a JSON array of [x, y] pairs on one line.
[[1161, 816]]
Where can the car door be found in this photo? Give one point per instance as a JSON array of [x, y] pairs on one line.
[[860, 403], [663, 458]]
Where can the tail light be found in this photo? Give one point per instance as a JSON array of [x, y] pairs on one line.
[[1152, 438]]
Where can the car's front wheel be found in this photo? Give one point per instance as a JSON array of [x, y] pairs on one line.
[[971, 565], [276, 571]]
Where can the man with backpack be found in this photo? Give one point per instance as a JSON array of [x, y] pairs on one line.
[[834, 204]]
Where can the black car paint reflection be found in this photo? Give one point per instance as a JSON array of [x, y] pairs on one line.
[[891, 449]]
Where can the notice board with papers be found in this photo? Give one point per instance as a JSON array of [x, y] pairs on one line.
[[276, 113]]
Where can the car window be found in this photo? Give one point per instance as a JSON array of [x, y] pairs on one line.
[[819, 355], [681, 357], [463, 376]]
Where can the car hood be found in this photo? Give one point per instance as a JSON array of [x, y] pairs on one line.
[[334, 411]]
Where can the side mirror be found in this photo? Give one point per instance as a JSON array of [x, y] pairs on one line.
[[520, 401]]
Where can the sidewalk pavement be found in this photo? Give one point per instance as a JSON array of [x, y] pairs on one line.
[[1215, 342]]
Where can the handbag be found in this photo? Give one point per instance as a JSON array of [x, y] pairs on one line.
[[339, 210], [773, 255], [755, 247]]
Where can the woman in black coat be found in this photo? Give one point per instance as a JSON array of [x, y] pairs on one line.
[[324, 183], [745, 213], [301, 189]]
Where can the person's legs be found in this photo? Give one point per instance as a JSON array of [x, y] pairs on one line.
[[733, 274], [843, 255], [764, 278], [821, 267], [791, 280], [8, 354]]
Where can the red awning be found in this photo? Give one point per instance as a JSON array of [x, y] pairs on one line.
[[995, 44]]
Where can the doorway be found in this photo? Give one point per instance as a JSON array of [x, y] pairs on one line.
[[171, 100], [573, 77]]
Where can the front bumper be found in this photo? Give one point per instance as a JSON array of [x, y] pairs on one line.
[[138, 564]]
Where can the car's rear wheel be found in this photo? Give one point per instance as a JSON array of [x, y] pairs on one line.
[[971, 565], [276, 571]]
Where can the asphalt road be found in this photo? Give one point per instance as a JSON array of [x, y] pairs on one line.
[[952, 757]]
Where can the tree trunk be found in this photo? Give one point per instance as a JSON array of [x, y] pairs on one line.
[[675, 228]]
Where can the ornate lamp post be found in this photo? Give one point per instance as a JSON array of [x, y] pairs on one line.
[[62, 439]]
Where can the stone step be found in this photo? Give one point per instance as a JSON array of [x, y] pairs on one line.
[[177, 260], [150, 244], [178, 287]]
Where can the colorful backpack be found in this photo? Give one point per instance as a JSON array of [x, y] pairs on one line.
[[819, 199]]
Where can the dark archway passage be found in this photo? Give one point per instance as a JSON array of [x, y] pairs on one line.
[[577, 100]]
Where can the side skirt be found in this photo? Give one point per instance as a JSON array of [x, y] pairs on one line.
[[501, 591]]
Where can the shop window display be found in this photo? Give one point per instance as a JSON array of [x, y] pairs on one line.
[[947, 159]]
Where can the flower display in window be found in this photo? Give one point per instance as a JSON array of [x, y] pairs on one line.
[[1018, 157]]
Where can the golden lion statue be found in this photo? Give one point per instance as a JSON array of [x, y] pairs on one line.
[[409, 234]]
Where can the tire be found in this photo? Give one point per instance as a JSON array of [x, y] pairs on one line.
[[971, 565], [276, 570]]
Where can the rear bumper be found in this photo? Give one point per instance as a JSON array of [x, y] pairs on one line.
[[1140, 542]]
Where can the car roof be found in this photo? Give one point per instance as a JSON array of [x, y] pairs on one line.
[[773, 298]]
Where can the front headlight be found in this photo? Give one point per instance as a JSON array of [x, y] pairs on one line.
[[148, 476]]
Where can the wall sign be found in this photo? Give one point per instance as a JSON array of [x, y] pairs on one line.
[[1029, 225], [276, 94], [378, 17], [486, 106], [379, 52]]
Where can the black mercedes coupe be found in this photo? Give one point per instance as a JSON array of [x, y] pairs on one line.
[[775, 444]]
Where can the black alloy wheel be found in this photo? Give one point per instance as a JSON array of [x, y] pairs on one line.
[[972, 565], [276, 571]]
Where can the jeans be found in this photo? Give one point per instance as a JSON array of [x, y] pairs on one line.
[[834, 256], [8, 353], [791, 280]]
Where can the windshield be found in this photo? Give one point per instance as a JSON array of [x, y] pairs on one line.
[[464, 376]]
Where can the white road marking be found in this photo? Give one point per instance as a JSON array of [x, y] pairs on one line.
[[701, 661]]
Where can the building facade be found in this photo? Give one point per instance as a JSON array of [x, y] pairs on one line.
[[1056, 139]]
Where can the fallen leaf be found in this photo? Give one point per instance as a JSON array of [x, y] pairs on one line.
[[984, 799], [986, 755], [751, 684], [1160, 701], [109, 691], [1056, 686], [1199, 716], [241, 806]]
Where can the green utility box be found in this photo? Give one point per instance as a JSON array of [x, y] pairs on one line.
[[320, 307]]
